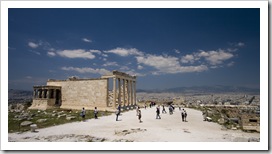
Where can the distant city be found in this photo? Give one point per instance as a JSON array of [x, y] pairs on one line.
[[200, 94]]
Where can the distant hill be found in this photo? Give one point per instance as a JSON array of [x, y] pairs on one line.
[[19, 96], [205, 89]]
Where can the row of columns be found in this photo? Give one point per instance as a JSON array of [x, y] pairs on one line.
[[44, 93], [129, 86]]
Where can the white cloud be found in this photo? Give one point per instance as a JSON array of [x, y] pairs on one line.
[[133, 73], [78, 53], [237, 44], [124, 68], [52, 54], [159, 62], [230, 64], [187, 59], [110, 64], [104, 59], [104, 55], [203, 54], [168, 64], [45, 45], [187, 69], [213, 67], [125, 52], [240, 44], [33, 45], [96, 51], [232, 49], [86, 70], [176, 51], [212, 57], [140, 67], [155, 73], [52, 49], [216, 57], [130, 71], [86, 40]]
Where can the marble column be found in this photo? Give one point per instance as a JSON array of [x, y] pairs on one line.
[[131, 92], [119, 91], [107, 97], [34, 93], [134, 83], [128, 93], [43, 93], [124, 92], [48, 93], [38, 93], [114, 92]]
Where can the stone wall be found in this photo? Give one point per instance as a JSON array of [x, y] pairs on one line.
[[79, 93], [51, 102], [42, 104], [250, 122]]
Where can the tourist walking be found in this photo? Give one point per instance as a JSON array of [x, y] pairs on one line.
[[117, 114], [170, 110], [95, 112], [163, 109], [173, 108], [119, 108], [139, 115], [82, 114], [158, 113], [183, 115], [137, 110]]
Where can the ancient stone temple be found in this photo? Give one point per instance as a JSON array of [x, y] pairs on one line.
[[106, 93]]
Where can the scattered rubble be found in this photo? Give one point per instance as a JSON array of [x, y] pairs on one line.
[[126, 132], [63, 138], [41, 120], [26, 123], [70, 117]]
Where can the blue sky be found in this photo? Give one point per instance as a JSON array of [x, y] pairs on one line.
[[165, 48]]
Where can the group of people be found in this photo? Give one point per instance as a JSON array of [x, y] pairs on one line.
[[83, 113], [138, 113], [184, 115], [171, 109], [152, 104]]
